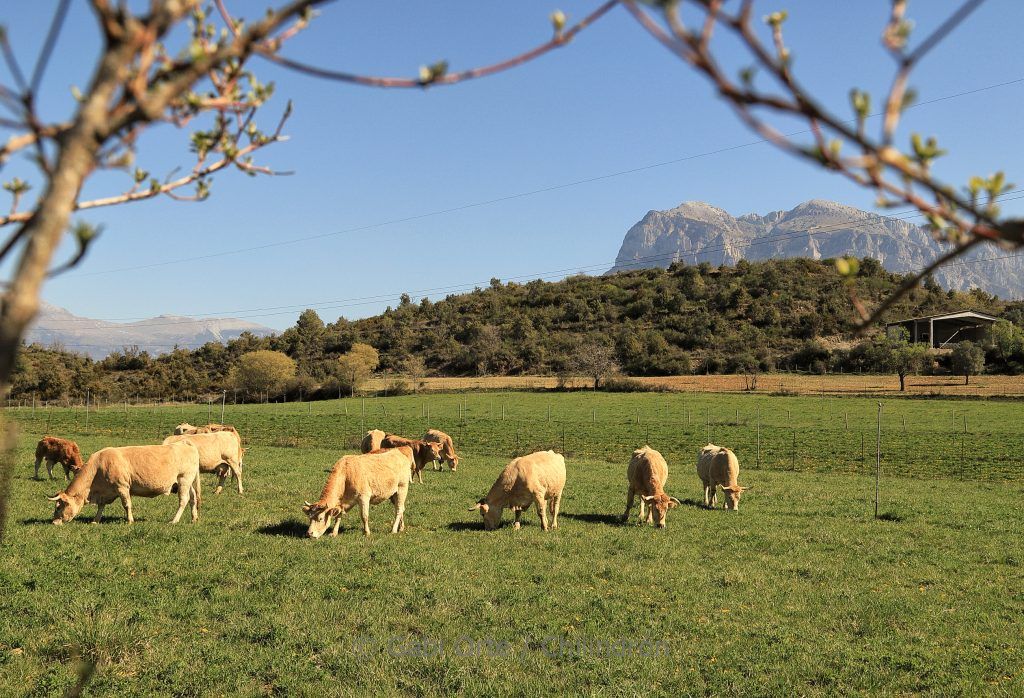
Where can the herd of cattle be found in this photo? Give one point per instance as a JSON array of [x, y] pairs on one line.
[[383, 471]]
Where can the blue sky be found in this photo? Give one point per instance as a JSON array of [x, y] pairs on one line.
[[611, 101]]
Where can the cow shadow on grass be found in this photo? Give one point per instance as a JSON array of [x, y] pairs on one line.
[[606, 519], [466, 526], [82, 521], [289, 529]]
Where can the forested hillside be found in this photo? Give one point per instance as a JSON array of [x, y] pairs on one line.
[[780, 314]]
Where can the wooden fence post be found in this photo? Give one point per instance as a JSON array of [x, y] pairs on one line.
[[878, 457]]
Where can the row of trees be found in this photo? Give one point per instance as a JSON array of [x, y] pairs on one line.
[[749, 319]]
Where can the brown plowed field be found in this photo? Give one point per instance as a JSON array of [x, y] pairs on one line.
[[797, 384]]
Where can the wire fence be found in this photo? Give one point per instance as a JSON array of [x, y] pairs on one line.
[[825, 441]]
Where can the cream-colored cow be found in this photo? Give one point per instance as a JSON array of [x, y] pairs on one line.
[[538, 478], [371, 442], [718, 466], [646, 474], [143, 471], [368, 479], [219, 452]]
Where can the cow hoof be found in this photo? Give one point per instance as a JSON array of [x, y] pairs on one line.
[[516, 526]]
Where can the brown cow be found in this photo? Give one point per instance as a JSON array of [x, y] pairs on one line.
[[143, 471], [56, 450], [647, 474], [368, 479], [423, 451], [448, 454]]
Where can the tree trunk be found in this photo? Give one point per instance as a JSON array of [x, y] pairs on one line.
[[967, 378], [903, 381], [42, 233]]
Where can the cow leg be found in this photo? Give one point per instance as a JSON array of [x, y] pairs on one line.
[[555, 502], [643, 510], [39, 461], [237, 472], [49, 468], [184, 493], [364, 513], [630, 496], [222, 475], [195, 498], [517, 511], [398, 499], [539, 501], [67, 471], [99, 513], [126, 501], [337, 525], [419, 475], [714, 495]]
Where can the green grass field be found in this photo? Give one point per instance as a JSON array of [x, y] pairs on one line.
[[801, 592]]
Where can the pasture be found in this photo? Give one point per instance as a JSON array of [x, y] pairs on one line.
[[802, 591]]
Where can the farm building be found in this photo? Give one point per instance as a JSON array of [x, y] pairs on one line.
[[939, 331]]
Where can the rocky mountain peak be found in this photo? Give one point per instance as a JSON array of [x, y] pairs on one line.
[[695, 232]]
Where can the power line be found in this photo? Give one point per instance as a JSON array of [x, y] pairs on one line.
[[509, 197]]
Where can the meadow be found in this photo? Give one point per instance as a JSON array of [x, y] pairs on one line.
[[802, 591]]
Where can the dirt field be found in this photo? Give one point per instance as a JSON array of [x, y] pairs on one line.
[[797, 384]]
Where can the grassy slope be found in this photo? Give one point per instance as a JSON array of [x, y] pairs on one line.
[[800, 592]]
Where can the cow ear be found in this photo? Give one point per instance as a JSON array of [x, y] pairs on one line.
[[475, 507], [647, 497]]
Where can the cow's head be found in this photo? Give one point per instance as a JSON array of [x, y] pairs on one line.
[[320, 518], [67, 507], [490, 514], [454, 463], [184, 428], [732, 496], [660, 504], [435, 450]]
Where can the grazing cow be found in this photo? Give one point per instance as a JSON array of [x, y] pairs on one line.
[[143, 471], [368, 479], [448, 454], [647, 473], [371, 442], [56, 450], [716, 466], [219, 452], [186, 428], [423, 451], [538, 478]]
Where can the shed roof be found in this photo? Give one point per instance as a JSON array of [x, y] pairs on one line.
[[963, 316]]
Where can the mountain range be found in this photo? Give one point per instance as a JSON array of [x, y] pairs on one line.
[[695, 232], [157, 335]]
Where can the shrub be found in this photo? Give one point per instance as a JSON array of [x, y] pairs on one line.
[[622, 384]]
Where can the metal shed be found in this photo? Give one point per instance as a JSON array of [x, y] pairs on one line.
[[938, 331]]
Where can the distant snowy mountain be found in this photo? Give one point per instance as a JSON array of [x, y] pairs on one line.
[[158, 335], [695, 232]]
